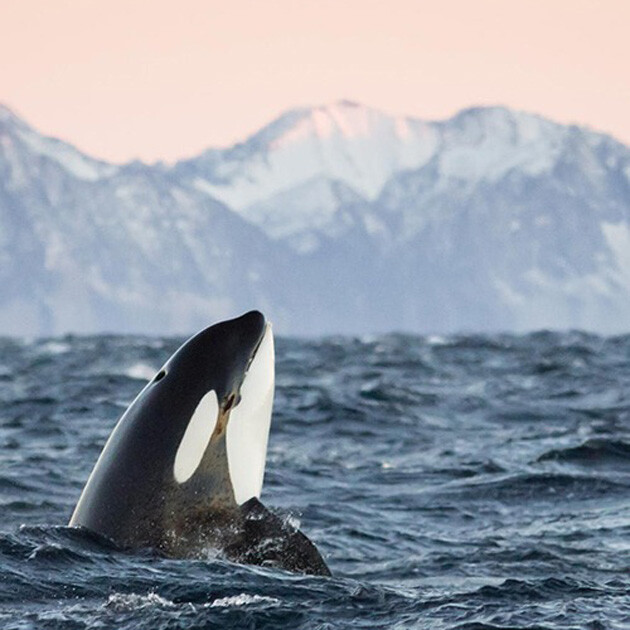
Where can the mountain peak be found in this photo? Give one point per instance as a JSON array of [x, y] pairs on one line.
[[340, 121], [364, 148], [500, 119], [8, 115], [347, 119], [344, 102], [65, 155]]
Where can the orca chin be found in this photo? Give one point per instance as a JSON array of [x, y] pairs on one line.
[[183, 469]]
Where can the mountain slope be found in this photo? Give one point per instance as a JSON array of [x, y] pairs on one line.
[[294, 178], [125, 249], [331, 219]]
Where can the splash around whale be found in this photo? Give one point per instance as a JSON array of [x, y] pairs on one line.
[[182, 472]]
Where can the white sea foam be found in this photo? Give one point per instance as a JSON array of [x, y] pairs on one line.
[[243, 599], [437, 340], [292, 521], [55, 347], [135, 601]]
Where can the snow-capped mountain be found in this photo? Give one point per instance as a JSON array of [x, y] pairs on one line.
[[332, 219], [294, 178], [19, 139], [86, 246]]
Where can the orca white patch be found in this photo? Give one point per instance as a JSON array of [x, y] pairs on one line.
[[198, 433], [248, 426]]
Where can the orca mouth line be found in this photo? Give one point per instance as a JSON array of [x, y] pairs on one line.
[[257, 348], [235, 397], [229, 402]]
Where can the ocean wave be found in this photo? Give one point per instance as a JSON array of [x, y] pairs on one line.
[[544, 486], [470, 481], [594, 453]]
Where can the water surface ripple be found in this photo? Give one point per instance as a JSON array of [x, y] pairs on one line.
[[461, 482]]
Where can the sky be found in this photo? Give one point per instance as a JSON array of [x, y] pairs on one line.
[[157, 80]]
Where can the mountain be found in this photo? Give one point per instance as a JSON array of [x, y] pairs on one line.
[[293, 177], [331, 219], [86, 246]]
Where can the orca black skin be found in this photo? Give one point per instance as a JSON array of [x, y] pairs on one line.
[[182, 470]]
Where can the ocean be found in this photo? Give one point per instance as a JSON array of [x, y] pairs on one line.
[[462, 482]]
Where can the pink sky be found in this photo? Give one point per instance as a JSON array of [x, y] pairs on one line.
[[151, 79]]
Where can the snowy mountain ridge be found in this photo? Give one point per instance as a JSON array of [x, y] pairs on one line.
[[331, 219], [64, 154], [358, 146], [363, 147], [321, 151]]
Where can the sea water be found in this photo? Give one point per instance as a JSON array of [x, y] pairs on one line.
[[461, 482]]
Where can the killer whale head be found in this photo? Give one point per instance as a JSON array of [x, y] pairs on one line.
[[227, 372], [183, 469], [198, 429]]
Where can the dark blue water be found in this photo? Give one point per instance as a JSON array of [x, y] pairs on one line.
[[462, 482]]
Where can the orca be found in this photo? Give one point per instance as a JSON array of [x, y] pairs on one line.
[[183, 469]]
